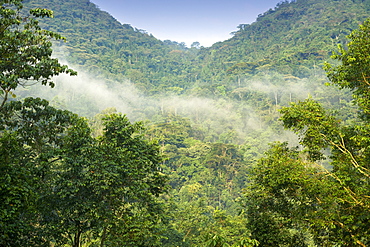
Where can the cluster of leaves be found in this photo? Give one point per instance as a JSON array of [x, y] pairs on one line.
[[25, 49]]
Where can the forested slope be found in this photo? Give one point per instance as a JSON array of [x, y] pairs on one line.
[[99, 43], [209, 115], [293, 39]]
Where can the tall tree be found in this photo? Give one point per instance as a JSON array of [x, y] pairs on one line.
[[60, 185], [104, 187], [30, 135], [354, 70], [25, 49], [29, 130], [337, 213]]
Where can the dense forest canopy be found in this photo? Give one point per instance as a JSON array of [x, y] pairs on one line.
[[142, 142], [290, 39]]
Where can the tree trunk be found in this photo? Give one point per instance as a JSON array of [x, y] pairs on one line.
[[103, 237], [76, 242]]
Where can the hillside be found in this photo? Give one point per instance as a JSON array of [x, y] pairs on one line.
[[201, 165], [99, 43], [229, 92], [293, 39]]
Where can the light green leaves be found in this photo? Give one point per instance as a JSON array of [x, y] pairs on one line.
[[315, 127], [332, 204], [354, 70]]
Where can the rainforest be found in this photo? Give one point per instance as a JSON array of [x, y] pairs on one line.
[[111, 137]]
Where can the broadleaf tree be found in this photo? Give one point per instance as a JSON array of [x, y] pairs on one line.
[[106, 187], [336, 192], [30, 136], [58, 184], [25, 49]]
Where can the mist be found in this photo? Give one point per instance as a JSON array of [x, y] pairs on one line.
[[88, 96]]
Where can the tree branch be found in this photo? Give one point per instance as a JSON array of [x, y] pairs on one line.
[[342, 147]]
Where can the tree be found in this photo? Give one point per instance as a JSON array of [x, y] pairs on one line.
[[135, 182], [354, 70], [29, 131], [335, 204], [60, 185], [25, 49], [281, 196], [344, 211], [106, 187], [195, 45], [30, 134]]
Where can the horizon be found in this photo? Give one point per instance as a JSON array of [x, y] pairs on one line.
[[206, 22]]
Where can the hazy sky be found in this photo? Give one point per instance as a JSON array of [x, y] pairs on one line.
[[205, 21]]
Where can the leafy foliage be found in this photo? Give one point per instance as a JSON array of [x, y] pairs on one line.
[[353, 72], [65, 182], [335, 203], [74, 185], [25, 49]]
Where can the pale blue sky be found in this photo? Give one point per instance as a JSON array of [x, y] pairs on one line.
[[205, 21]]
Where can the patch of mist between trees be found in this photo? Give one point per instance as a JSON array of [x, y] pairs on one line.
[[283, 92], [87, 96], [225, 119], [84, 95]]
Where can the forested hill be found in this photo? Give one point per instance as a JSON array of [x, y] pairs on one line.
[[292, 38], [98, 42], [209, 163]]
